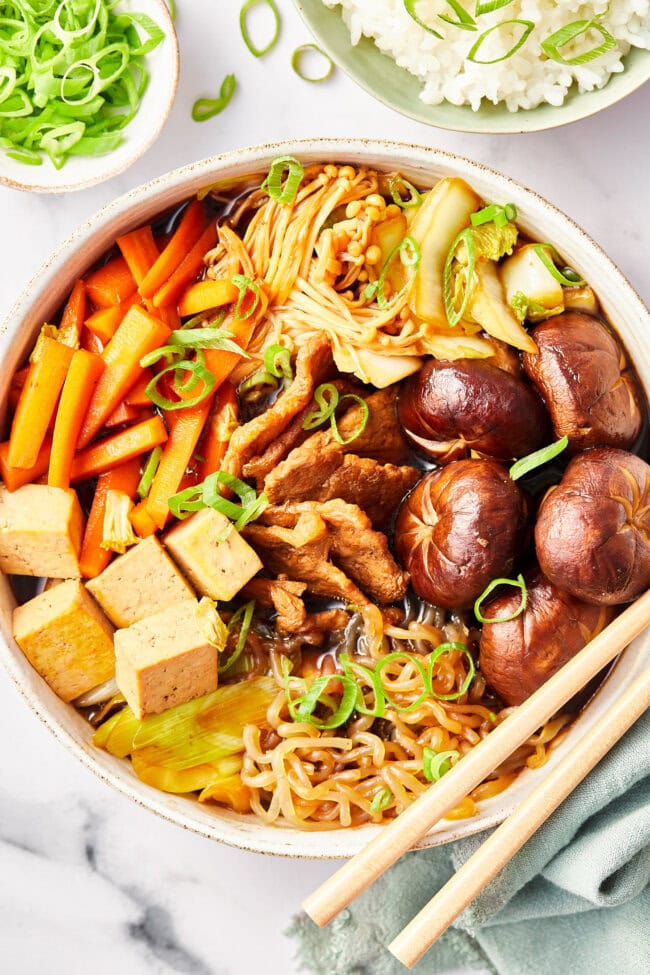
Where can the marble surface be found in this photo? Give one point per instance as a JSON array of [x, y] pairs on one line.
[[91, 883]]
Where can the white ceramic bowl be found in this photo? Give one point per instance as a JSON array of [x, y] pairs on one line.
[[47, 291], [80, 172]]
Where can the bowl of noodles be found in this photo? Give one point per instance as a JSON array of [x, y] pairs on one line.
[[234, 609]]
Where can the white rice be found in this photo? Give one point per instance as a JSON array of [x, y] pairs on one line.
[[522, 81]]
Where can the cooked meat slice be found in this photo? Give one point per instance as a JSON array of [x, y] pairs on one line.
[[303, 475], [283, 596], [313, 365], [302, 552], [382, 437]]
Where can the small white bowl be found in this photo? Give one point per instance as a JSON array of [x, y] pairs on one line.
[[80, 172], [45, 294]]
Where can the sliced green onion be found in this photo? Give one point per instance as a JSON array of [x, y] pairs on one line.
[[206, 108], [172, 9], [186, 502], [258, 52], [381, 800], [400, 654], [518, 583], [495, 214], [302, 708], [297, 58], [277, 361], [198, 372], [208, 495], [453, 316], [284, 192], [524, 307], [464, 20], [327, 398], [245, 614], [398, 187], [527, 464], [436, 764], [528, 26], [489, 6], [370, 290], [352, 667], [206, 338], [551, 46], [365, 413], [409, 6], [257, 385], [471, 670], [246, 287], [410, 256], [149, 472], [547, 255]]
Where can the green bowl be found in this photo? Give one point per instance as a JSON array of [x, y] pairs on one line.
[[399, 89]]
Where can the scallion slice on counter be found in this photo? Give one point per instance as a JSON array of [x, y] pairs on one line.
[[489, 6], [245, 615], [436, 764], [455, 315], [409, 6], [246, 306], [567, 277], [518, 583], [259, 52], [381, 800], [279, 188], [297, 59], [149, 473], [464, 20], [206, 108], [528, 26], [403, 193], [527, 464], [551, 45], [471, 670]]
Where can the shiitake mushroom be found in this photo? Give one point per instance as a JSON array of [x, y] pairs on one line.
[[519, 655], [582, 375], [460, 527], [450, 408], [593, 529]]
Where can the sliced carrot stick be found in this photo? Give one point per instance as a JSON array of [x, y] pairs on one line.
[[221, 423], [220, 362], [15, 477], [203, 295], [141, 520], [110, 284], [123, 414], [38, 401], [118, 448], [137, 395], [105, 322], [73, 316], [168, 315], [140, 251], [187, 270], [81, 381], [175, 458], [138, 334], [90, 342], [17, 383], [94, 558], [186, 235]]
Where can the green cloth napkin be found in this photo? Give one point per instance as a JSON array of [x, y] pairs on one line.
[[575, 899]]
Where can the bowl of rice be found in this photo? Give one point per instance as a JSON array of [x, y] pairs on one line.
[[498, 66]]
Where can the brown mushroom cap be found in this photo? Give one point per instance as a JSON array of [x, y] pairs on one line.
[[517, 657], [593, 530], [581, 372], [448, 408], [460, 527]]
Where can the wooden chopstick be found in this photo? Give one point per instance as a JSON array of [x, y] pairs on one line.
[[436, 916], [417, 819]]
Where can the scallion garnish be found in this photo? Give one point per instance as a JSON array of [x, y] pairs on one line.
[[258, 52], [370, 291], [399, 187], [206, 338], [527, 464], [489, 6], [205, 108], [436, 764], [198, 373], [279, 188], [410, 256], [528, 26], [208, 495], [277, 361], [297, 63], [381, 800], [453, 315], [245, 614], [409, 6], [328, 399], [302, 707], [172, 9], [518, 583], [149, 472], [498, 215], [464, 20], [450, 647], [351, 668], [551, 46], [259, 384], [412, 659], [245, 307], [567, 277]]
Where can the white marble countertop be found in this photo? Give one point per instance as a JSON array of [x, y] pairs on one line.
[[90, 882]]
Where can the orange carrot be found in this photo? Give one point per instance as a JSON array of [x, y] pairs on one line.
[[81, 381], [15, 477], [203, 295], [124, 413], [38, 401], [138, 334], [105, 321], [141, 520], [110, 284], [17, 383], [187, 270], [221, 422], [221, 362], [186, 235], [175, 458], [94, 558], [73, 316], [118, 448], [137, 395], [168, 315], [90, 342], [140, 251]]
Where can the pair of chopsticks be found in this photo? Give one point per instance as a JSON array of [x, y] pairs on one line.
[[412, 824]]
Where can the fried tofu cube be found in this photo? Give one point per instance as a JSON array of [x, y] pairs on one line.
[[41, 529], [217, 568], [66, 638], [164, 660], [140, 583]]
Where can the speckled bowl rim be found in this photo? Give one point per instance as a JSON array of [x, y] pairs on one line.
[[139, 148], [67, 261]]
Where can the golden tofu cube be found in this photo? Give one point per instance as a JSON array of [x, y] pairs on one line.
[[40, 531], [66, 638], [140, 583], [217, 568], [164, 660]]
